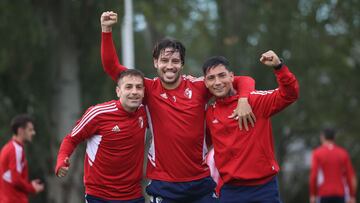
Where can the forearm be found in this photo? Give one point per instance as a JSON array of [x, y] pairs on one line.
[[288, 84], [109, 58], [66, 149], [353, 186], [313, 177], [21, 183], [244, 85]]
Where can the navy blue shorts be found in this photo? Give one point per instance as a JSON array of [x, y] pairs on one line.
[[199, 191], [333, 199], [266, 193], [93, 199]]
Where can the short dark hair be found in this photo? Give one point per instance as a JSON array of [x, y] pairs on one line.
[[130, 72], [329, 133], [176, 45], [20, 121], [215, 61]]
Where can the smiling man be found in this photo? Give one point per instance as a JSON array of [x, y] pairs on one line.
[[245, 159], [176, 109], [115, 134]]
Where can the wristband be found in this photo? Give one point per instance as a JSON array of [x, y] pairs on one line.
[[280, 65]]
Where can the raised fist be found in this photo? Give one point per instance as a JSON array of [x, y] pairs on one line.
[[107, 20], [269, 58]]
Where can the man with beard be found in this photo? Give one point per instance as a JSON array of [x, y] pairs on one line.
[[115, 134], [176, 111]]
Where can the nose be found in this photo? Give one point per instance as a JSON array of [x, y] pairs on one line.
[[169, 65], [217, 81], [134, 91]]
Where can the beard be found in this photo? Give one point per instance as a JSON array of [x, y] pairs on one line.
[[169, 81]]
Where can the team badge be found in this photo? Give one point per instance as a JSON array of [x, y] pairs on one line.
[[141, 122], [188, 93]]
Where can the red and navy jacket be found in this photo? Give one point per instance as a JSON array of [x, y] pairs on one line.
[[242, 157], [14, 183], [176, 120], [331, 170], [115, 142]]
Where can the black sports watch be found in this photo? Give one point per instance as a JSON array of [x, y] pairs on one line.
[[280, 65]]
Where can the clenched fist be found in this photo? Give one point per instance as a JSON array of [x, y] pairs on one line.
[[64, 169], [269, 58], [107, 20]]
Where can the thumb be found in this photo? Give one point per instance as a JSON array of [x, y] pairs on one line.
[[67, 161]]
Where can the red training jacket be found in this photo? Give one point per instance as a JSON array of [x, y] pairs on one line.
[[242, 157], [115, 142], [331, 168], [14, 183], [176, 120]]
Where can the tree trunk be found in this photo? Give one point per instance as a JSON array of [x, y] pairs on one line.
[[66, 110]]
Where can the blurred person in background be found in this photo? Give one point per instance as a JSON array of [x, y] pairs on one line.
[[331, 172], [14, 184]]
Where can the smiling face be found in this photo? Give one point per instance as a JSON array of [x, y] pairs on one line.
[[169, 67], [219, 81], [130, 91]]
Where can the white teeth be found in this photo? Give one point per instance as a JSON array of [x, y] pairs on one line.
[[169, 74]]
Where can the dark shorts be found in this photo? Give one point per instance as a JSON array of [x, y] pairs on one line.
[[93, 199], [266, 193], [199, 191], [332, 199]]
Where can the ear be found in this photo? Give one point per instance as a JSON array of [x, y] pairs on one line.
[[231, 76], [20, 130], [118, 91], [207, 85], [155, 61]]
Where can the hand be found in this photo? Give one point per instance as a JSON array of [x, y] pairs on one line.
[[269, 58], [351, 200], [64, 169], [37, 185], [192, 78], [107, 20], [312, 199], [243, 114]]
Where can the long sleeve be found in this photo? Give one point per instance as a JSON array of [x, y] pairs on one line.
[[313, 175], [244, 85], [109, 58], [350, 176], [84, 129], [271, 102], [17, 180]]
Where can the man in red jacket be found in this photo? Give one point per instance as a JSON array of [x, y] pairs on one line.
[[114, 132], [331, 168], [245, 159], [14, 183], [176, 111]]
